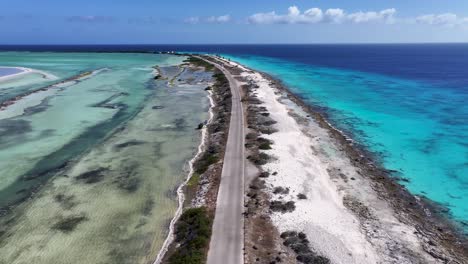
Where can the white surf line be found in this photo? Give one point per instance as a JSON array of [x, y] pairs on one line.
[[26, 71], [180, 191]]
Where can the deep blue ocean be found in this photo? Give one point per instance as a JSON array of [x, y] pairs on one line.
[[406, 103]]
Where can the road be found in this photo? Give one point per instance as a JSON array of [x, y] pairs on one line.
[[227, 240]]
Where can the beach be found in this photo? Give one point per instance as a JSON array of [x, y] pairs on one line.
[[337, 203], [20, 71], [12, 72]]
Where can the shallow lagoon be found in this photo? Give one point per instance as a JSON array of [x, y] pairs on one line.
[[103, 157]]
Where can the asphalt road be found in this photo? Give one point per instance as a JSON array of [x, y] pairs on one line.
[[227, 240]]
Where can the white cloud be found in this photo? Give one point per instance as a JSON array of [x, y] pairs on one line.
[[264, 18], [335, 15], [294, 11], [219, 19], [332, 16], [210, 20], [446, 19], [91, 19], [294, 16], [312, 15], [192, 20], [316, 15], [364, 17]]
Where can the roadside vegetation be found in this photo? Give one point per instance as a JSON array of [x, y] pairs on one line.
[[193, 229], [204, 162], [299, 243], [192, 234], [200, 63]]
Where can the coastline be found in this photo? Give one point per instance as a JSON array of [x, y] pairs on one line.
[[439, 236], [15, 75], [385, 184], [141, 142], [434, 237], [198, 193], [181, 196], [23, 72], [5, 105]]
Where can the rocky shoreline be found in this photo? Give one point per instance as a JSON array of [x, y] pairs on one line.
[[442, 238]]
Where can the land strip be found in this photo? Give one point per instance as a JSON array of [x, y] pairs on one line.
[[192, 231], [227, 240]]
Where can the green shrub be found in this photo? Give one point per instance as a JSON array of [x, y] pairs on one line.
[[204, 162], [265, 146], [192, 232], [199, 62], [193, 180]]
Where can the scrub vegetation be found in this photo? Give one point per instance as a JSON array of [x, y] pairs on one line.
[[193, 228], [299, 243], [192, 234], [200, 63]]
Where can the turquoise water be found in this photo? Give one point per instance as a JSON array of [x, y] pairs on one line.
[[88, 170], [417, 129], [59, 129]]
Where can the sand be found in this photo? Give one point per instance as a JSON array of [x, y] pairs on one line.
[[20, 104], [25, 71]]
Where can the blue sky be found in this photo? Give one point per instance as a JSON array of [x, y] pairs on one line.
[[239, 21]]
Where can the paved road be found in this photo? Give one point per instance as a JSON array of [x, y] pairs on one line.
[[227, 240]]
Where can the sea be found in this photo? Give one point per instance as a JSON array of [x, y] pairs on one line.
[[407, 104], [89, 167]]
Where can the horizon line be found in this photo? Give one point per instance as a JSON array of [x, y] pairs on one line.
[[226, 44]]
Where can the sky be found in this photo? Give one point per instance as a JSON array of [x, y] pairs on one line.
[[232, 22]]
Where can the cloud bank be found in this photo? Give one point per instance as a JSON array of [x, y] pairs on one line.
[[339, 16], [91, 19], [446, 19], [208, 20], [316, 15]]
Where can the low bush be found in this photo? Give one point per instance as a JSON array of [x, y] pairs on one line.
[[205, 161], [300, 245], [194, 180], [192, 232], [264, 143], [260, 159], [199, 62], [280, 190], [283, 207]]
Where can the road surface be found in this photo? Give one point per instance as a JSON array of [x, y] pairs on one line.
[[227, 240]]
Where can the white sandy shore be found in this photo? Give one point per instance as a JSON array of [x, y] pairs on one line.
[[310, 162], [19, 106], [25, 71]]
